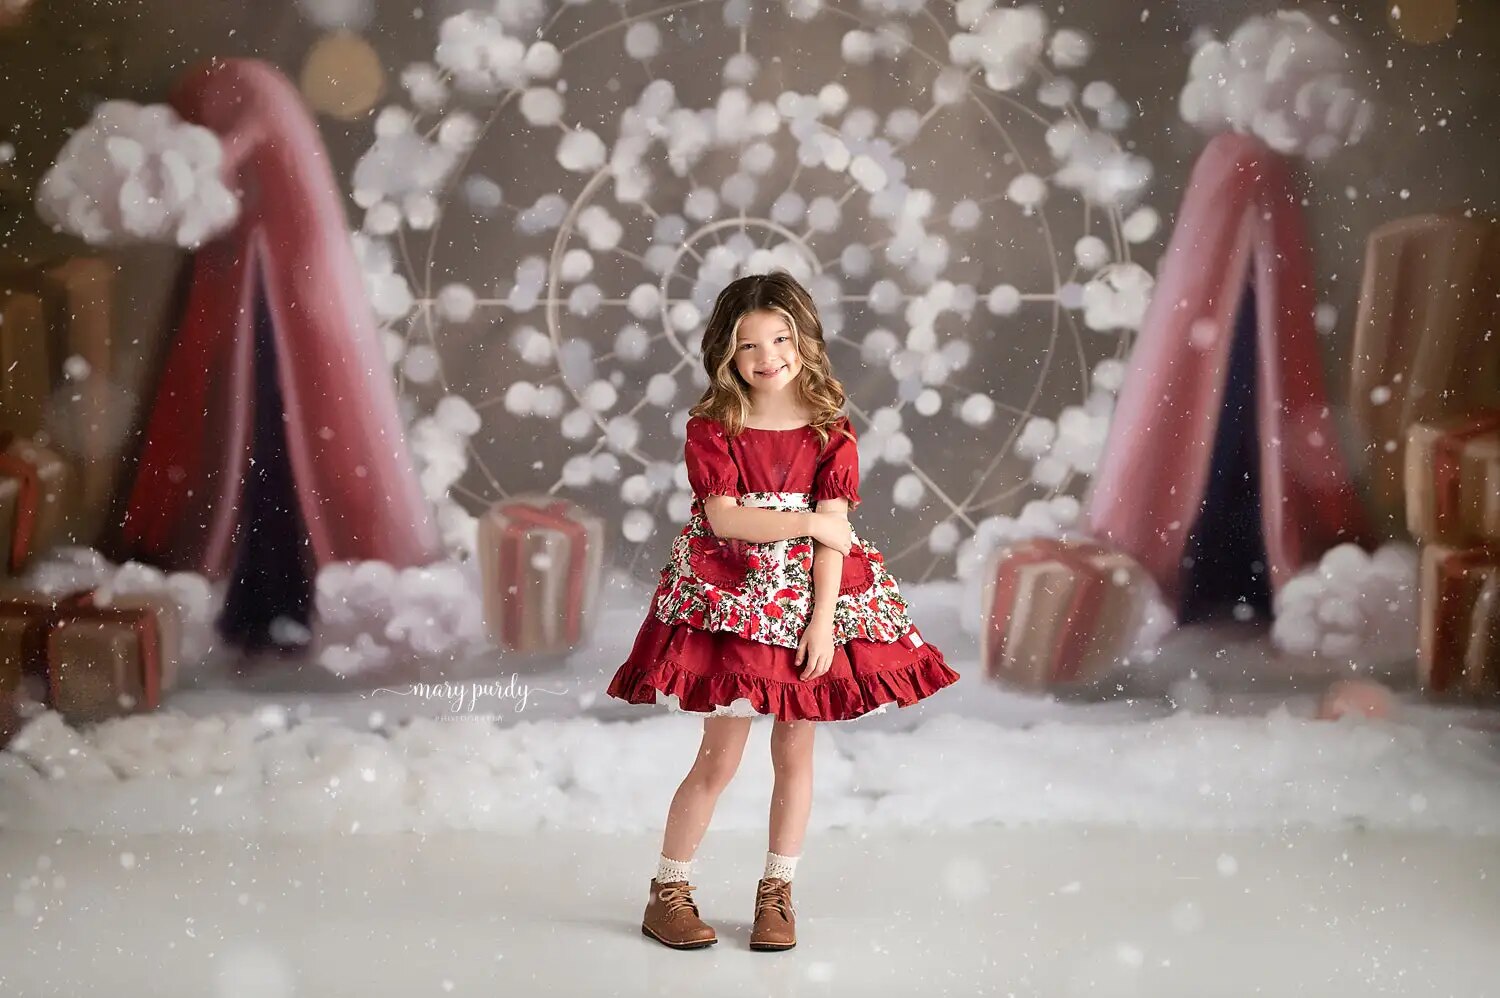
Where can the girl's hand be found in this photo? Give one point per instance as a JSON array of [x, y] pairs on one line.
[[815, 647], [832, 530]]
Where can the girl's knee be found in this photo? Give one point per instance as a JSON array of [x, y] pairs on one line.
[[713, 773]]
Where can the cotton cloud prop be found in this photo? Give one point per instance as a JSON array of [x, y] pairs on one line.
[[1281, 78], [1352, 605], [138, 174]]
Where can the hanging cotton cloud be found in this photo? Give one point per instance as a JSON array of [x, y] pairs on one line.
[[1116, 298], [482, 57], [1094, 164], [1280, 77], [390, 295], [138, 173], [1005, 42], [404, 163], [440, 449], [1352, 605]]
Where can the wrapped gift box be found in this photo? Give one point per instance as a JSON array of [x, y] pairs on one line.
[[1060, 612], [1423, 337], [98, 660], [48, 316], [1459, 630], [1453, 479], [34, 485], [540, 559]]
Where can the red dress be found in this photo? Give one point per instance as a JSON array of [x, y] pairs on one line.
[[722, 633]]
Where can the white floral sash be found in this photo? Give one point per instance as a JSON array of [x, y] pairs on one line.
[[764, 591]]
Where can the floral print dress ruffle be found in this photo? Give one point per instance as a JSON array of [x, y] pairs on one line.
[[727, 615]]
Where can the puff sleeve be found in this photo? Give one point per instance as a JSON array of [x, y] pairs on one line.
[[710, 467], [837, 474]]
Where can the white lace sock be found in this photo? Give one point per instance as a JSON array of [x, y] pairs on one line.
[[670, 870], [780, 867]]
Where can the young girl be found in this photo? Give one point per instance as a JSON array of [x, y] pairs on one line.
[[770, 604]]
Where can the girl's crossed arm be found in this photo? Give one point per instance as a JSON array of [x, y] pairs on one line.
[[728, 519], [815, 650]]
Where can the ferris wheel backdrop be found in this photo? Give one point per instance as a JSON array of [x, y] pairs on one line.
[[550, 212]]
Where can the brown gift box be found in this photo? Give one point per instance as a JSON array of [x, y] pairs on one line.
[[1424, 337], [99, 661], [1453, 479], [1459, 630], [49, 314]]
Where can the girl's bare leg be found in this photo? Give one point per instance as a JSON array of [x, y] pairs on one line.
[[791, 797], [693, 805]]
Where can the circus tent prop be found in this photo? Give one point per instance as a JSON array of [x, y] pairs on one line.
[[274, 444], [1222, 475]]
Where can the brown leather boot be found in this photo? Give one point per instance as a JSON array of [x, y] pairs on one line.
[[775, 916], [672, 917]]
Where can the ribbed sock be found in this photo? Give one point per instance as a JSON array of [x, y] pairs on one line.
[[671, 870], [781, 867]]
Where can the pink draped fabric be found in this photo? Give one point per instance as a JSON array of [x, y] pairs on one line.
[[1241, 211], [357, 493]]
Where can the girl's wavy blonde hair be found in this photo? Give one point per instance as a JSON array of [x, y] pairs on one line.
[[727, 398]]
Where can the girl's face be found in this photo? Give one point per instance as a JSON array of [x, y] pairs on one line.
[[765, 353]]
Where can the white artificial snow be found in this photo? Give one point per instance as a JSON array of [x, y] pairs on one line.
[[1282, 77], [372, 616], [266, 772], [138, 173], [71, 568], [1352, 606]]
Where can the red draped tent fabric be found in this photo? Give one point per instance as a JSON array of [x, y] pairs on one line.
[[1240, 226], [289, 255]]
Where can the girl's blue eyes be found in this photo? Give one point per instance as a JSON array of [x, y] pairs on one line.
[[778, 340]]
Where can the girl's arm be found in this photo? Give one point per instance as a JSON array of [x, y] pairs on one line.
[[828, 570], [728, 519], [815, 647]]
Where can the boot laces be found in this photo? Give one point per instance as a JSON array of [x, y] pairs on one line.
[[678, 897], [773, 896]]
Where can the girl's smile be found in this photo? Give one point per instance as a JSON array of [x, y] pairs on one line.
[[765, 353]]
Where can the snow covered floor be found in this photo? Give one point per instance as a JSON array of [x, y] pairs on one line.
[[1191, 832], [1046, 912], [1215, 735]]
